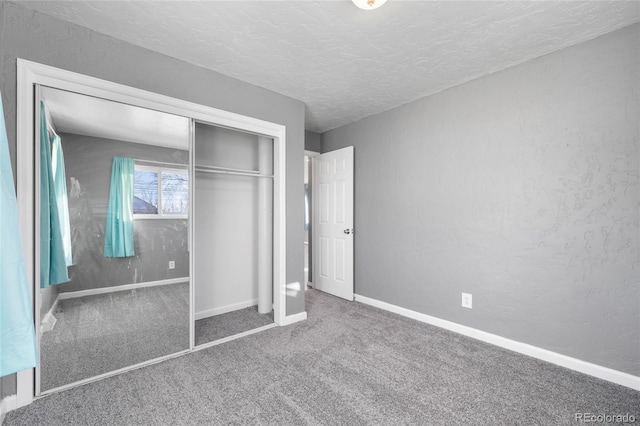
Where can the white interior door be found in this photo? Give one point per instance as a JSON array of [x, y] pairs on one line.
[[333, 222]]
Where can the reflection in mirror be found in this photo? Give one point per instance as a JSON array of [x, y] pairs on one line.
[[115, 291], [233, 281]]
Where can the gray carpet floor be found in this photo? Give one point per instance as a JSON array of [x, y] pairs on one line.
[[102, 333], [225, 325], [348, 363]]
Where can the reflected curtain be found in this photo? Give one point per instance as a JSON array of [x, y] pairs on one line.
[[60, 186], [118, 238], [53, 267], [17, 336]]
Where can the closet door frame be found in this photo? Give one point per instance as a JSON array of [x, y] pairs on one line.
[[29, 76]]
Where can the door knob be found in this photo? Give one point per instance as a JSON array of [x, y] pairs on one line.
[[349, 231]]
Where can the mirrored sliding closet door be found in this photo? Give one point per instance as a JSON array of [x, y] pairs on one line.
[[113, 236]]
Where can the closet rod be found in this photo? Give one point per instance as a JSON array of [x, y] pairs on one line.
[[161, 163], [226, 172], [226, 169]]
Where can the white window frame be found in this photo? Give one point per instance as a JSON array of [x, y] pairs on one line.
[[160, 170]]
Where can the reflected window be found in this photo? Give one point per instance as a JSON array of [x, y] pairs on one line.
[[145, 192], [160, 193]]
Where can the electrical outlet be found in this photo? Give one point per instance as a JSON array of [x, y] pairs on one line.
[[172, 264], [466, 300]]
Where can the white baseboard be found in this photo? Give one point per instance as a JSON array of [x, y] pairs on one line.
[[224, 309], [292, 319], [575, 364], [6, 405], [113, 289]]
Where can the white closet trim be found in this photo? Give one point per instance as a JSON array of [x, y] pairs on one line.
[[30, 74]]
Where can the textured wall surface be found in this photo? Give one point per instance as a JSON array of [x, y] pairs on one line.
[[312, 141], [156, 241], [41, 38], [521, 188]]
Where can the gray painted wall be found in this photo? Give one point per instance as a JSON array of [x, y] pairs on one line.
[[312, 141], [157, 241], [521, 188], [37, 37]]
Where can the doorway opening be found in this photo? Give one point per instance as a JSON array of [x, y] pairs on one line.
[[308, 218]]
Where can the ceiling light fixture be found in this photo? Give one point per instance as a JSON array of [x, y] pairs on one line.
[[369, 4]]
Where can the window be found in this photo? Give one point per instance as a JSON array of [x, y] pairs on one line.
[[160, 192]]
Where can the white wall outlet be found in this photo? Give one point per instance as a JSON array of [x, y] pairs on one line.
[[172, 264], [466, 300]]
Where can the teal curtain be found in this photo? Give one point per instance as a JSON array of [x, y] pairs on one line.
[[60, 186], [53, 267], [17, 336], [118, 235]]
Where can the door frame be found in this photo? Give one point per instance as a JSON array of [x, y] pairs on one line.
[[310, 154], [29, 75]]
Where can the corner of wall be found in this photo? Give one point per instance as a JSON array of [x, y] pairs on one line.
[[311, 141]]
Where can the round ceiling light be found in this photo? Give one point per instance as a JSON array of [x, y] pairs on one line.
[[369, 4]]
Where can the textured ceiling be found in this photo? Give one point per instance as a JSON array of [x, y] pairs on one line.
[[342, 62]]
